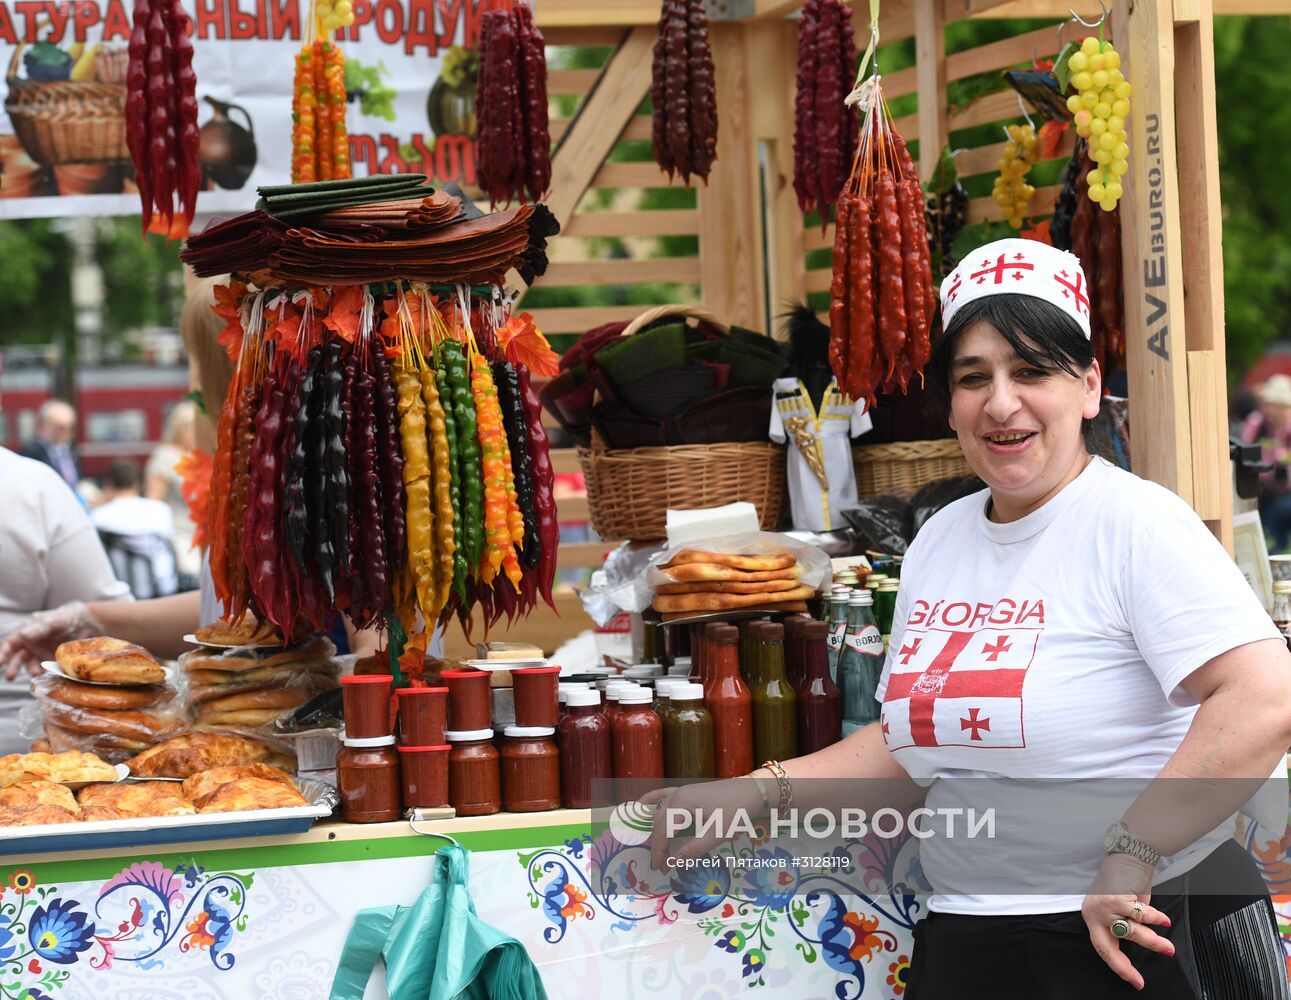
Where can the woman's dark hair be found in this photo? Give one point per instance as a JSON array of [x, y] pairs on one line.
[[1041, 334]]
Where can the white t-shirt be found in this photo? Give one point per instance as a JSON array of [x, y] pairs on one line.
[[49, 551], [1052, 649]]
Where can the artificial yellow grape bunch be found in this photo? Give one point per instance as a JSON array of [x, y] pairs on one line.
[[1100, 107], [334, 15], [1012, 192]]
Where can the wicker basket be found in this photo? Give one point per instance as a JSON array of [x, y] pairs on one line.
[[629, 490], [900, 469], [65, 122]]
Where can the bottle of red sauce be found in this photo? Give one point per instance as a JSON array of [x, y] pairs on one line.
[[820, 702], [731, 706], [637, 738], [584, 738], [795, 650]]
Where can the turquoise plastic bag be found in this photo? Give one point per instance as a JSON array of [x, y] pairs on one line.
[[438, 948]]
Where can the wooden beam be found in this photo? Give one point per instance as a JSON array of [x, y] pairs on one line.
[[1152, 253], [930, 68], [660, 222], [984, 209], [645, 271], [624, 83], [774, 48], [572, 81], [583, 37], [731, 259], [986, 159], [637, 175], [580, 319], [1007, 52], [1201, 238]]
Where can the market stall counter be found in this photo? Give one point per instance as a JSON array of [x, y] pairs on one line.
[[268, 917]]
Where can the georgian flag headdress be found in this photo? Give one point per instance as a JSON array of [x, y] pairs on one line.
[[1020, 267]]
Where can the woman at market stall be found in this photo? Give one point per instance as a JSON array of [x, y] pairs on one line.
[[1075, 623]]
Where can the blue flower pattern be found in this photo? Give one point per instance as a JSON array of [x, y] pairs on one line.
[[59, 932]]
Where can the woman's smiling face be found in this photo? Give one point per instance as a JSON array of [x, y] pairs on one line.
[[1018, 423]]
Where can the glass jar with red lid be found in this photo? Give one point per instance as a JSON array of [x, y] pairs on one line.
[[423, 715], [365, 701], [474, 773], [530, 769], [367, 777], [425, 776], [535, 696], [470, 699]]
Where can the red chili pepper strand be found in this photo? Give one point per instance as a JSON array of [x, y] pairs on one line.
[[804, 103], [863, 364], [840, 294], [887, 245], [369, 501], [185, 82], [136, 109], [160, 123], [544, 487], [389, 464], [239, 585]]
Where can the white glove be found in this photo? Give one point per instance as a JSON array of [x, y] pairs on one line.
[[42, 633]]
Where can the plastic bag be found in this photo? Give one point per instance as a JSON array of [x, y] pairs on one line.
[[612, 589], [250, 689], [114, 722], [931, 498], [438, 948], [884, 524]]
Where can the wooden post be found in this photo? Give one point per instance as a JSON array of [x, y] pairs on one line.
[[1201, 227], [930, 72], [731, 258], [1152, 253]]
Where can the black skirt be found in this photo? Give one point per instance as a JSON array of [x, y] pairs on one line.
[[1227, 947]]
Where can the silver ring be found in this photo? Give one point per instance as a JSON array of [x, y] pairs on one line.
[[1136, 911], [1120, 928]]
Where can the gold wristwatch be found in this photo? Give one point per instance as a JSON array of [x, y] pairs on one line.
[[1119, 840]]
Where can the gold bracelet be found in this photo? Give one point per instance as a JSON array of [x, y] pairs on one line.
[[782, 779]]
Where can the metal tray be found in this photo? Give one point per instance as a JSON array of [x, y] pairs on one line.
[[116, 834]]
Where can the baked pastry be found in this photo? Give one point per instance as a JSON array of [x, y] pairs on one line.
[[248, 632], [108, 661], [252, 793], [200, 787], [247, 718], [133, 799], [761, 563], [36, 815], [315, 651], [70, 765], [687, 572], [203, 689], [189, 753], [724, 602], [726, 587], [45, 793], [279, 699], [102, 696], [61, 739], [128, 723]]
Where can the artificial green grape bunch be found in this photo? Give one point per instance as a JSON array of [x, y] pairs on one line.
[[1012, 192], [1100, 107]]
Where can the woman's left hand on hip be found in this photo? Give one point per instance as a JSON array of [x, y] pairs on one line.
[[1121, 892]]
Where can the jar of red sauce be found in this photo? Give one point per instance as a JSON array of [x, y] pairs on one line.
[[585, 756], [535, 696], [530, 769], [469, 699], [637, 738], [474, 773], [423, 716], [425, 776], [367, 776], [365, 701]]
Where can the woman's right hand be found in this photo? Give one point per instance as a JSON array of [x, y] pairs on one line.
[[727, 798], [37, 638]]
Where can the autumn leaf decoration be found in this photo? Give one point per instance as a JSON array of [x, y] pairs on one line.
[[523, 344], [195, 470], [227, 306], [344, 313]]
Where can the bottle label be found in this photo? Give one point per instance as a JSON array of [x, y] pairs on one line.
[[866, 640], [836, 634]]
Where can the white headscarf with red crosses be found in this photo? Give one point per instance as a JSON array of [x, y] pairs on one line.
[[1020, 267]]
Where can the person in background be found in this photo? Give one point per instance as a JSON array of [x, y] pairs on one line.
[[52, 445], [1269, 425], [136, 533], [50, 555], [163, 482]]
